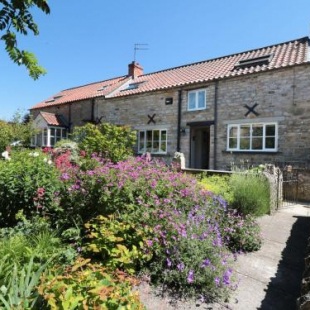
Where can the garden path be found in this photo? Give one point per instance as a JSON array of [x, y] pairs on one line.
[[270, 278]]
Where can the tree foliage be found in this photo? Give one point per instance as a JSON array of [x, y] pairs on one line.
[[15, 18], [18, 129]]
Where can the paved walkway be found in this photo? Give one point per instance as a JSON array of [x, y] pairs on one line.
[[270, 278]]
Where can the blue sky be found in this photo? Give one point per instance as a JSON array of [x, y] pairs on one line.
[[85, 41]]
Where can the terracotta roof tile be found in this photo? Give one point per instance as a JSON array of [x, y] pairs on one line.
[[283, 55], [92, 90], [53, 119]]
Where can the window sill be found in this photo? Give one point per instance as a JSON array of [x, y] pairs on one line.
[[196, 110], [251, 152]]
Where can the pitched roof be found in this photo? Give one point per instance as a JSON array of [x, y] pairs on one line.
[[53, 119], [258, 60]]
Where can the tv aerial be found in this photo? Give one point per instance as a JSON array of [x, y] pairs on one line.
[[139, 47]]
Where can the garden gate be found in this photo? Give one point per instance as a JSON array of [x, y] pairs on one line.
[[290, 185]]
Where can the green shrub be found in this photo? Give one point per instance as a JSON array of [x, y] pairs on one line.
[[218, 185], [88, 286], [111, 141], [29, 183], [117, 243], [34, 239], [250, 193]]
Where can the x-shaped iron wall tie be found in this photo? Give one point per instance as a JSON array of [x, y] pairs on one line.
[[151, 119], [251, 110]]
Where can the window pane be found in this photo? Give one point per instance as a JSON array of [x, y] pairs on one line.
[[245, 131], [244, 143], [192, 101], [257, 130], [39, 139], [201, 99], [233, 132], [257, 143], [163, 146], [141, 147], [155, 147], [270, 143], [149, 136], [58, 133], [270, 130], [156, 135], [233, 142], [149, 146], [45, 137]]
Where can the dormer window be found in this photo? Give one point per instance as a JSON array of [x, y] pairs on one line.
[[252, 62], [102, 88], [50, 100], [53, 99], [132, 86]]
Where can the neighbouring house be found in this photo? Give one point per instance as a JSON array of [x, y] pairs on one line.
[[250, 107]]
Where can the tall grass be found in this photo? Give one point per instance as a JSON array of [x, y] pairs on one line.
[[250, 193]]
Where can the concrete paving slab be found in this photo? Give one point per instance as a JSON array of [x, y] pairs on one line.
[[249, 295]]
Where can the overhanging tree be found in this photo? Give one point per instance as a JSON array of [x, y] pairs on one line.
[[15, 18]]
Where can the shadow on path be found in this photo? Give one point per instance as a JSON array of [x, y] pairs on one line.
[[284, 289]]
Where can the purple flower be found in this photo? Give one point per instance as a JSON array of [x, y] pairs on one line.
[[180, 266], [205, 263], [65, 176], [190, 277], [226, 276], [169, 263], [217, 281]]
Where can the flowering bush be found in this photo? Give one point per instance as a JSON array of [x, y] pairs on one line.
[[193, 258], [184, 240], [28, 182], [140, 215], [242, 233]]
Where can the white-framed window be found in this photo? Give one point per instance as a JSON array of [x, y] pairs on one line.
[[49, 136], [197, 100], [252, 137], [153, 141]]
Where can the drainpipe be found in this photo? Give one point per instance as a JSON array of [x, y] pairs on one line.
[[179, 120], [69, 118], [215, 124], [92, 117]]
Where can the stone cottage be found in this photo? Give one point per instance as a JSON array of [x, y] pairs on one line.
[[251, 107]]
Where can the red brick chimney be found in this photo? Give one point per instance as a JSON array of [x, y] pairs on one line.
[[135, 69]]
